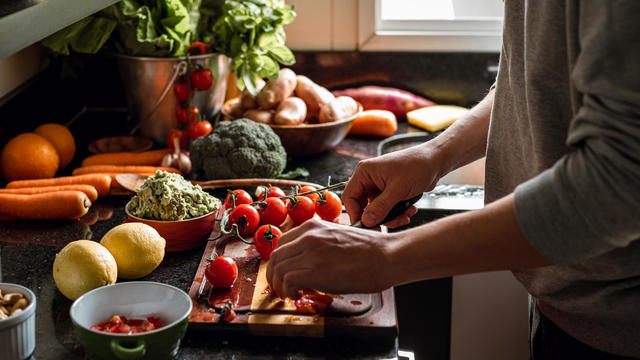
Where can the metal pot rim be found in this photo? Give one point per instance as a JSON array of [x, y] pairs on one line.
[[181, 58]]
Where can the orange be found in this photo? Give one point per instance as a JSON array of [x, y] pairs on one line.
[[61, 139], [29, 156]]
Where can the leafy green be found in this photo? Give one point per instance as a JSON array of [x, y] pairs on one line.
[[251, 32], [158, 28], [294, 174]]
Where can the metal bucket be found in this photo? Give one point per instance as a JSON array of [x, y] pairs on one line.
[[148, 86]]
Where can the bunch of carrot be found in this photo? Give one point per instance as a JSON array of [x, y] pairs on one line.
[[70, 197]]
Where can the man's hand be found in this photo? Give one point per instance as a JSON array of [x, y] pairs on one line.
[[329, 257], [387, 180]]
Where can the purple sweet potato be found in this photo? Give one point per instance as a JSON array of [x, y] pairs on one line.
[[399, 102]]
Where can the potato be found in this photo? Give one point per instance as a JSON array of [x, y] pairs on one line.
[[259, 116], [233, 108], [292, 111], [314, 95], [339, 109], [276, 90], [247, 99]]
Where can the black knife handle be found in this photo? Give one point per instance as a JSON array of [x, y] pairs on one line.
[[395, 211]]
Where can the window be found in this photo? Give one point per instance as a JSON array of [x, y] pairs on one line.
[[430, 25]]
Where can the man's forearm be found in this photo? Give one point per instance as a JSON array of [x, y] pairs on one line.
[[482, 240], [465, 140]]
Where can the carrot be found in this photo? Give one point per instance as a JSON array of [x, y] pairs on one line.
[[114, 183], [101, 182], [374, 122], [89, 190], [66, 204], [399, 102], [122, 169], [148, 158]]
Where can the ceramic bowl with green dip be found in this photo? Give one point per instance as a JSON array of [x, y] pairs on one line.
[[182, 213], [135, 299]]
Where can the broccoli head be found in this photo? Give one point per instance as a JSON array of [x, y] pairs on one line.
[[238, 149]]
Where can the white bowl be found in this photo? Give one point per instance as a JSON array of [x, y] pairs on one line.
[[18, 332]]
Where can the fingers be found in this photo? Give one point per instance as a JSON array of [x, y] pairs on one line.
[[354, 197], [290, 275], [379, 207], [403, 219]]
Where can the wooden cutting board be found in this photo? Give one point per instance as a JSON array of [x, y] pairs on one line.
[[260, 312]]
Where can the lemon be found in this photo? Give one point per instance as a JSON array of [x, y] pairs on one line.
[[137, 248], [81, 266]]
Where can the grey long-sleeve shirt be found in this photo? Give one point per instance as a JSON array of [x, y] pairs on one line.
[[565, 135]]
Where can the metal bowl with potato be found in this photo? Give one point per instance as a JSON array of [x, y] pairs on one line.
[[307, 117]]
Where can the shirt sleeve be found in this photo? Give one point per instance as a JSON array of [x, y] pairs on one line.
[[588, 203]]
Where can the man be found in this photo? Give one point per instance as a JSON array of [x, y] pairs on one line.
[[562, 175]]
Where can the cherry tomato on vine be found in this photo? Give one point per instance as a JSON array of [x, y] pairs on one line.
[[182, 136], [182, 113], [274, 212], [266, 239], [181, 90], [247, 218], [202, 79], [272, 191], [241, 196], [301, 210], [308, 188], [222, 272], [329, 206], [200, 128], [198, 48]]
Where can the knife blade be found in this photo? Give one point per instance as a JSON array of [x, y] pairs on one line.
[[395, 211]]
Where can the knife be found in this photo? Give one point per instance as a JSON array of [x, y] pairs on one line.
[[395, 211]]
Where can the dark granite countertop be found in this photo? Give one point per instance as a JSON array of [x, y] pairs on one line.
[[28, 249], [95, 103]]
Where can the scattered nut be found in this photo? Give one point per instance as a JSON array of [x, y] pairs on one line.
[[11, 298], [16, 311], [12, 304], [20, 304]]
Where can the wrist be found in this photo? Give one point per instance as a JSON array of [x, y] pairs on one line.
[[390, 268]]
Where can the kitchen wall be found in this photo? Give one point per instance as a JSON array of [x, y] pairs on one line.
[[20, 67]]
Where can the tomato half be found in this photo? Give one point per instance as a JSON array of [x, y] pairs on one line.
[[301, 210], [198, 48], [272, 191], [183, 139], [181, 91], [202, 79], [312, 302], [266, 239], [241, 197], [200, 128], [274, 212], [182, 114], [222, 272], [246, 217], [329, 206]]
